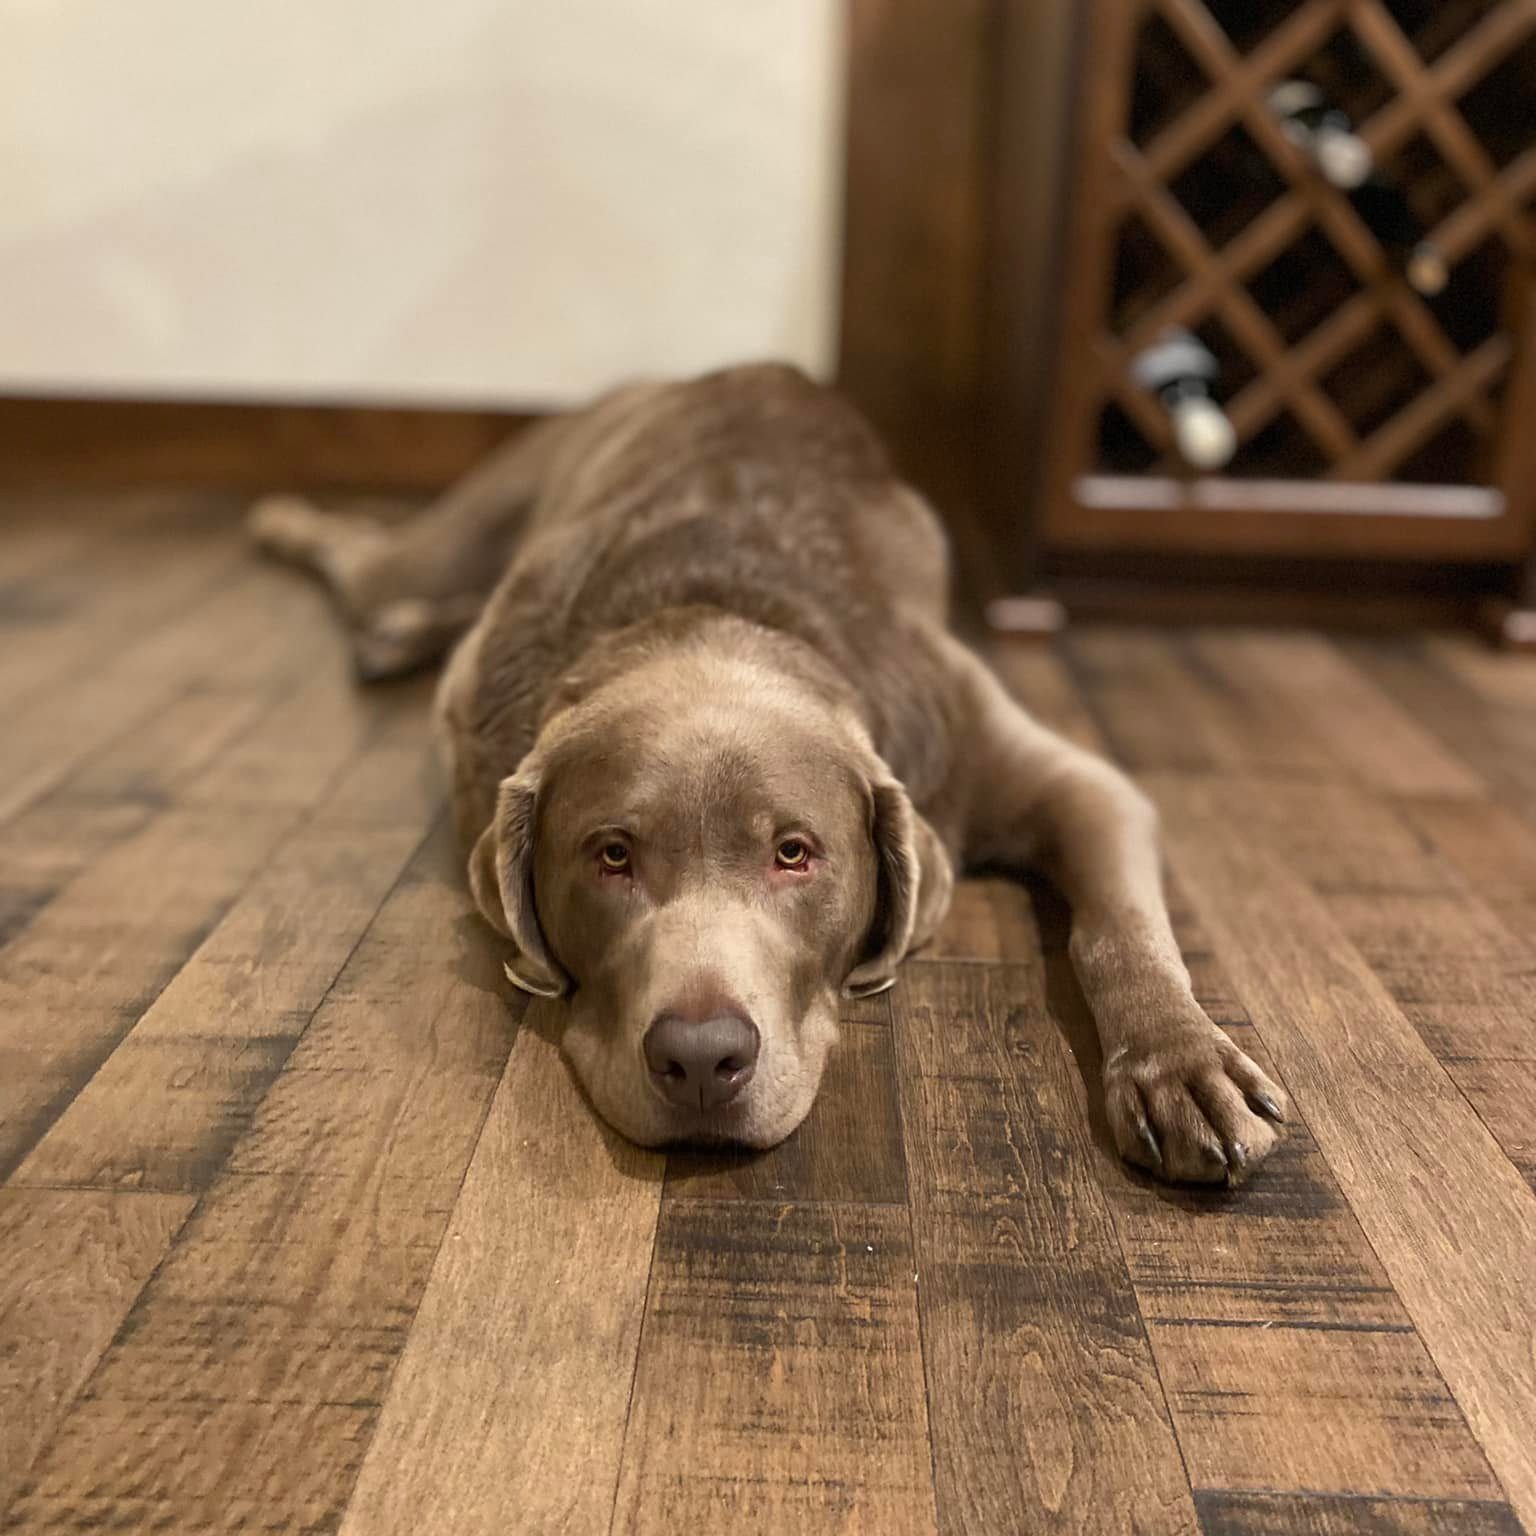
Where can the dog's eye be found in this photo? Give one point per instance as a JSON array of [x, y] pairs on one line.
[[792, 854], [615, 858]]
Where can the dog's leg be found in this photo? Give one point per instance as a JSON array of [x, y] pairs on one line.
[[1182, 1100], [408, 591]]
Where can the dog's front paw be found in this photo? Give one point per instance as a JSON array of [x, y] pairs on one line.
[[1186, 1104]]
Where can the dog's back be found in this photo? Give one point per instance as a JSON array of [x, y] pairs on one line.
[[753, 493]]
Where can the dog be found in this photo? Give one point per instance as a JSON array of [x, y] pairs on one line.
[[715, 759]]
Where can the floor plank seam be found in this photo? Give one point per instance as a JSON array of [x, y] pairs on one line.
[[142, 1006], [85, 1391], [634, 1370], [118, 1333], [344, 1503], [921, 1317], [1365, 1237], [226, 575]]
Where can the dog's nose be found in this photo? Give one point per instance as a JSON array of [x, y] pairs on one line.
[[701, 1065]]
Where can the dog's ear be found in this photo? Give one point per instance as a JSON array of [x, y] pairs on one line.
[[501, 878], [899, 894]]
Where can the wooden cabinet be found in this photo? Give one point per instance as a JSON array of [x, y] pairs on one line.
[[1372, 421]]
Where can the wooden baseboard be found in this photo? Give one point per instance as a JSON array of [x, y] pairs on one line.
[[88, 444]]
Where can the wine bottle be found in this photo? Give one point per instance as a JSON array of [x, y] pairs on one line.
[[1385, 212], [1344, 159], [1322, 132], [1180, 370]]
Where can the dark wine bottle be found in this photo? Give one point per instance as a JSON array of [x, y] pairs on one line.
[[1180, 370], [1344, 159]]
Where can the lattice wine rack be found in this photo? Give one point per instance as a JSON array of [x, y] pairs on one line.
[[1367, 415]]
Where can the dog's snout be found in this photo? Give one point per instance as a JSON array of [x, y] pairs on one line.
[[701, 1065]]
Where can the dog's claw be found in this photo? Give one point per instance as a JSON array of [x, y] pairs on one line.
[[1269, 1107], [1149, 1141]]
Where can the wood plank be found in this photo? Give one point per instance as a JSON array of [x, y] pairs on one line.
[[848, 1148], [153, 761], [1280, 1404], [309, 738], [1503, 1092], [1164, 705], [985, 921], [1502, 679], [268, 1335], [74, 1262], [1287, 1360], [508, 1407], [780, 1381], [1045, 1407], [101, 952], [1217, 1274], [241, 632], [57, 840], [72, 984], [1394, 1129], [165, 1108], [1493, 849], [117, 791], [114, 794], [1375, 741], [117, 783], [130, 581], [1270, 1514], [1346, 842], [1499, 745]]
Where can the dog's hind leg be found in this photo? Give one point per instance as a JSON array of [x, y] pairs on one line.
[[407, 591]]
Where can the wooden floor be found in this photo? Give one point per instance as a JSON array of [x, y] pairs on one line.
[[303, 1226]]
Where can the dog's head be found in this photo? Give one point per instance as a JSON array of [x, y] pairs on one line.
[[701, 862]]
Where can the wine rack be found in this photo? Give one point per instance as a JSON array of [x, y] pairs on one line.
[[1370, 418]]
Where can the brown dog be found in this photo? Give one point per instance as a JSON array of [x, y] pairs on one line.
[[715, 759]]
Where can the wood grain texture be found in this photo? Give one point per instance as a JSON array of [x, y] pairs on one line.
[[1286, 1357], [44, 850], [1303, 678], [74, 1263], [172, 1099], [268, 1334], [508, 1408], [1046, 1409], [73, 984], [1499, 744], [227, 636], [1257, 1301], [920, 92], [1160, 708], [422, 1287], [780, 1382], [120, 585], [117, 443], [848, 1149], [1492, 848], [1406, 1136], [1271, 1514]]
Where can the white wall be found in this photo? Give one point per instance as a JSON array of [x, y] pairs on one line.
[[499, 201]]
